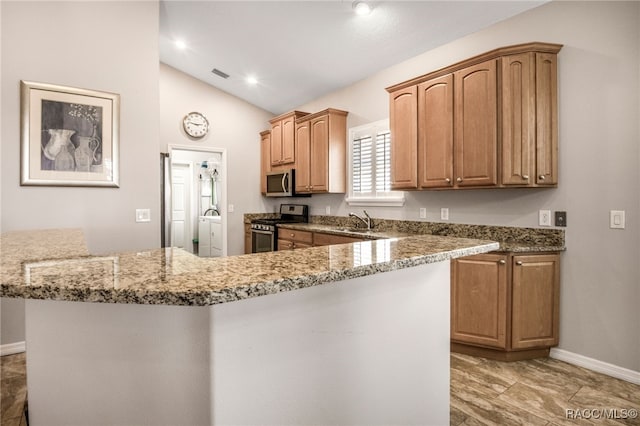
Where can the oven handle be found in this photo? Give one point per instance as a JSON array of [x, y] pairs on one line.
[[257, 231]]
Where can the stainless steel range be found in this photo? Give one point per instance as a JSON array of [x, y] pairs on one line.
[[264, 232]]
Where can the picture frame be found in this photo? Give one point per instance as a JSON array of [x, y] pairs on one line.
[[69, 136]]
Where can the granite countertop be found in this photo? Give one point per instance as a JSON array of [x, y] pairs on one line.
[[511, 239], [55, 265]]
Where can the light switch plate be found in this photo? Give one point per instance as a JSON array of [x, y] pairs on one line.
[[143, 215], [616, 219]]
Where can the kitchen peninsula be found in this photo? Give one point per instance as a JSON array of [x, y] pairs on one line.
[[345, 334]]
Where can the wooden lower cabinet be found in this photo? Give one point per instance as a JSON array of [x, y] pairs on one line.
[[290, 239], [505, 306]]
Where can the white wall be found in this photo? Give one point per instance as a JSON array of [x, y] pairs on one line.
[[599, 163], [110, 46], [235, 126]]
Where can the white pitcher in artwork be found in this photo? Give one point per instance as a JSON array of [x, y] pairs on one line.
[[59, 139]]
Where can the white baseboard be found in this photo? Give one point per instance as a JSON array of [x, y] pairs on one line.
[[12, 348], [595, 365]]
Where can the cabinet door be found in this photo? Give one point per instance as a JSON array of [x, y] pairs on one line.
[[288, 140], [435, 133], [403, 120], [546, 118], [303, 163], [518, 119], [276, 143], [476, 142], [536, 301], [479, 300], [265, 160], [319, 170]]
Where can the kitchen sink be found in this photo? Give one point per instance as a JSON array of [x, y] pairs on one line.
[[358, 230]]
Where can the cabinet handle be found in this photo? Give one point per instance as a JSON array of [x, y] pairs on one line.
[[502, 262], [459, 179], [541, 177], [519, 263], [447, 180], [525, 177]]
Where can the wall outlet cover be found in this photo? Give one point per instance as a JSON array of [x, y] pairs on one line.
[[560, 218], [423, 213], [544, 218], [444, 213]]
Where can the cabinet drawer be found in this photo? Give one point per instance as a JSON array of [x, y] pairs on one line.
[[295, 235], [320, 239], [291, 245]]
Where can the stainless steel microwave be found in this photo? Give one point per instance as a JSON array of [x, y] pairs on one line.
[[281, 183]]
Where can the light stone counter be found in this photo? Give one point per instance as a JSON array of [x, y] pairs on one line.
[[55, 265], [350, 346]]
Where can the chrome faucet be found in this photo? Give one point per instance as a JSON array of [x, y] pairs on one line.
[[366, 221], [217, 213]]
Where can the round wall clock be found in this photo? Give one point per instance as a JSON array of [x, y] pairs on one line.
[[195, 125]]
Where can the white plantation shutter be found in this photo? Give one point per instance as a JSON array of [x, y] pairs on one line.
[[370, 166]]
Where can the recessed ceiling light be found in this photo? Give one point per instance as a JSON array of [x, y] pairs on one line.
[[180, 44], [252, 80], [361, 7]]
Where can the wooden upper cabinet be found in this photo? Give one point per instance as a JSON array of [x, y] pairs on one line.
[[451, 131], [435, 132], [529, 120], [546, 119], [319, 173], [403, 119], [476, 125], [303, 157], [265, 159], [283, 138], [536, 301], [322, 147], [518, 119]]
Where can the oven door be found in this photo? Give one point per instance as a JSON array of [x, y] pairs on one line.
[[262, 241]]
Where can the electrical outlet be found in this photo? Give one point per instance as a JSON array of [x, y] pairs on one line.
[[544, 218], [327, 210], [230, 208], [423, 213], [143, 215], [444, 213], [561, 218]]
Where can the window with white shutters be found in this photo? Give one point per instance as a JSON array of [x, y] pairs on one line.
[[370, 166]]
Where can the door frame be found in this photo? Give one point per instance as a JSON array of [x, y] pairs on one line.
[[223, 176]]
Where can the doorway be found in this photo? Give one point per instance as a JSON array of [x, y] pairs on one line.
[[195, 183]]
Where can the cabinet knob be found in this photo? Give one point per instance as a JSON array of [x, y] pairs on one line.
[[525, 177], [292, 234], [541, 177], [519, 263], [459, 179], [502, 262], [447, 180]]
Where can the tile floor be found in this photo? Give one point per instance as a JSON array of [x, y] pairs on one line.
[[483, 392], [13, 390]]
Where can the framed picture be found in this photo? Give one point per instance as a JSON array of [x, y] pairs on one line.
[[69, 136]]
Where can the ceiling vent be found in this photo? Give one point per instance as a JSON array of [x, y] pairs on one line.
[[219, 73]]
